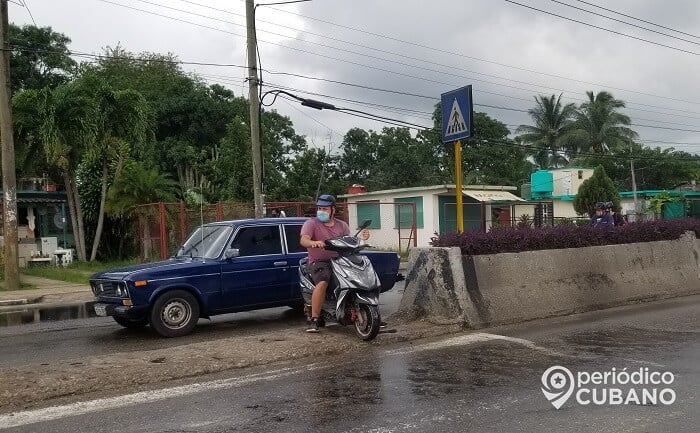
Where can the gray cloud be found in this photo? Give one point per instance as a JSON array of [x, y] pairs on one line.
[[491, 44]]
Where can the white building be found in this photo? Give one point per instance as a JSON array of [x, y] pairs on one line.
[[407, 217]]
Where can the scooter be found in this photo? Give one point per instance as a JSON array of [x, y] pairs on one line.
[[353, 295]]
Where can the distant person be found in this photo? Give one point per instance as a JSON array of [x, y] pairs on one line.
[[277, 213], [601, 218], [618, 219]]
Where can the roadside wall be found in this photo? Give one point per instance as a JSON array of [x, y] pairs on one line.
[[477, 291]]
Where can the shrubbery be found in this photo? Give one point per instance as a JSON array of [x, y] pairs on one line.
[[513, 240]]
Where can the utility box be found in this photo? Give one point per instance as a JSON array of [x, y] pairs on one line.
[[48, 245]]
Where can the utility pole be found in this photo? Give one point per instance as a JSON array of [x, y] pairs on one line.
[[254, 102], [634, 188], [9, 181]]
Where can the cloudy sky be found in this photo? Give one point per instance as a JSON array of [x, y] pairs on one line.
[[395, 57]]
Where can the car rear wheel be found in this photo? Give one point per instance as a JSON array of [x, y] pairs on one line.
[[131, 323], [174, 313]]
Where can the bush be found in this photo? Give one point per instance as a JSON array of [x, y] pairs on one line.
[[528, 239]]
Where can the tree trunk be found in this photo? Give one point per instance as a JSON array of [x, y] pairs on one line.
[[72, 209], [101, 214], [82, 254]]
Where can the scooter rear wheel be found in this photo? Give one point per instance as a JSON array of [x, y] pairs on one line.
[[367, 321]]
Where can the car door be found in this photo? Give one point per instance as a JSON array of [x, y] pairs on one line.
[[259, 274], [295, 252]]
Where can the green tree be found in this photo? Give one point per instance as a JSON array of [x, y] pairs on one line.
[[599, 127], [59, 122], [137, 185], [120, 119], [598, 188], [39, 58], [552, 121], [189, 117], [655, 168]]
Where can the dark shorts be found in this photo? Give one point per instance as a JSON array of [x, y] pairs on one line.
[[321, 271]]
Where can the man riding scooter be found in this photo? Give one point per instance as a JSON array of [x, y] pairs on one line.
[[314, 233]]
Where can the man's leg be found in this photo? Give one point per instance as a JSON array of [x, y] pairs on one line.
[[317, 299]]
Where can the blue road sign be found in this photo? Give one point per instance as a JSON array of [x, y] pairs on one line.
[[457, 119]]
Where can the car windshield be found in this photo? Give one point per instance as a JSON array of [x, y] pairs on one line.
[[206, 242]]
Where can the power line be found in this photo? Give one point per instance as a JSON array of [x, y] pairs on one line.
[[381, 69], [624, 22], [603, 28], [392, 53], [638, 19], [457, 54]]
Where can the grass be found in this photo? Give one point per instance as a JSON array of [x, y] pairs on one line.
[[76, 272]]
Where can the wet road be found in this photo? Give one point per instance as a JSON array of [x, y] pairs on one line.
[[51, 341], [478, 381]]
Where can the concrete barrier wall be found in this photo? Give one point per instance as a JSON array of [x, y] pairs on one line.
[[478, 291]]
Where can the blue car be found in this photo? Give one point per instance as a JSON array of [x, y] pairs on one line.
[[223, 267]]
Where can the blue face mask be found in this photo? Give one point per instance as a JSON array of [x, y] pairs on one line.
[[322, 216]]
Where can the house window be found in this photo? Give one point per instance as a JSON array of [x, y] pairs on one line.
[[580, 174], [369, 210], [403, 214]]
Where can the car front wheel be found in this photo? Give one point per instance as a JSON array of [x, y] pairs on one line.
[[174, 313]]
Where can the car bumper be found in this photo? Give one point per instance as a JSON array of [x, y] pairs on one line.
[[132, 312]]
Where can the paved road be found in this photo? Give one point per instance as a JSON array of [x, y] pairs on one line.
[[475, 381], [52, 341]]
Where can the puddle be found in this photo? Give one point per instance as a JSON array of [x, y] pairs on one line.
[[34, 314]]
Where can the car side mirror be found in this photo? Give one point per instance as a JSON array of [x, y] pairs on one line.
[[232, 252]]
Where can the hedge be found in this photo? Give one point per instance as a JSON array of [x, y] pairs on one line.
[[514, 240]]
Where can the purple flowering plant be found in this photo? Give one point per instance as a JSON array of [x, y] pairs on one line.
[[514, 240]]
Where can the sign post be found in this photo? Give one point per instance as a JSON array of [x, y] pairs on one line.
[[457, 123]]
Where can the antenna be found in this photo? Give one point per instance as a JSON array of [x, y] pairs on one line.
[[201, 218], [323, 163]]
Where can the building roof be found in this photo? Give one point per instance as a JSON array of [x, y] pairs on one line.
[[492, 196], [655, 192], [436, 189]]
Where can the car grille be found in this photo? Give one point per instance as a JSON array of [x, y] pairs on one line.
[[106, 288]]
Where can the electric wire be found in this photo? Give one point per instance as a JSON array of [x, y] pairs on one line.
[[389, 52], [638, 19], [603, 28], [624, 22]]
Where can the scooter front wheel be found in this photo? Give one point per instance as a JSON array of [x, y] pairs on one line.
[[367, 321]]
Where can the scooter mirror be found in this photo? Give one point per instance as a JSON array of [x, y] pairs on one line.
[[365, 224]]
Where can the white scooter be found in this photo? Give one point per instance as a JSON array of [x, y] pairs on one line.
[[353, 295]]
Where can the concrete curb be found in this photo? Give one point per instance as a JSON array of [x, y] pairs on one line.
[[479, 291]]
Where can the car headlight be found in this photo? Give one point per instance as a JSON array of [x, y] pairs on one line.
[[122, 291]]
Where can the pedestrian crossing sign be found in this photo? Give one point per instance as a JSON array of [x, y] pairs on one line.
[[457, 120]]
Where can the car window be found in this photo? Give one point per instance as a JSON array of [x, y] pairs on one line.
[[293, 234], [258, 241], [207, 242]]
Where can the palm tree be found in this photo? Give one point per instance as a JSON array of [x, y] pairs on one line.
[[598, 126], [121, 118], [136, 185], [552, 121], [57, 121]]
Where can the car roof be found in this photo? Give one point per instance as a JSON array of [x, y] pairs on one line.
[[284, 220]]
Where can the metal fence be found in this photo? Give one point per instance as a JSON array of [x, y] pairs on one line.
[[484, 216], [163, 227]]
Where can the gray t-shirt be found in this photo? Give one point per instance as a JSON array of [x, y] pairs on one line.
[[319, 231]]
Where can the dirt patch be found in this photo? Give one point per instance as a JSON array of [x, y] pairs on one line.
[[33, 384]]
